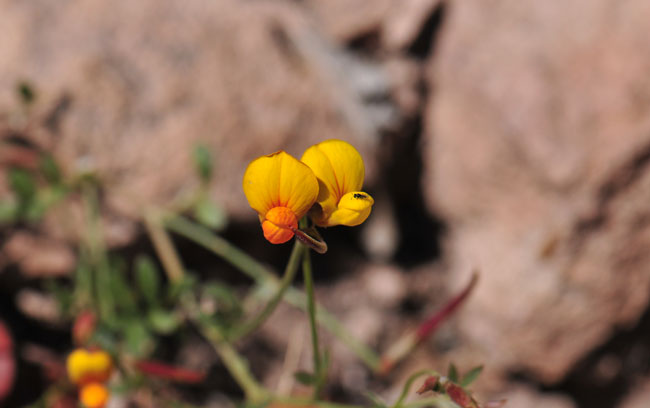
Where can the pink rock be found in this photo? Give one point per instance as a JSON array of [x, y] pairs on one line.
[[537, 154]]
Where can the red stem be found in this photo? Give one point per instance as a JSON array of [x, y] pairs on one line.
[[430, 325], [168, 372]]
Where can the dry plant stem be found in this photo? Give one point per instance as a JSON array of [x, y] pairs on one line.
[[311, 311], [297, 252], [164, 246], [262, 276], [291, 361]]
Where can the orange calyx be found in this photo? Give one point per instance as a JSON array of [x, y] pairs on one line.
[[279, 224]]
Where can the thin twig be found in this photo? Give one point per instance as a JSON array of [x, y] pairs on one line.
[[164, 246]]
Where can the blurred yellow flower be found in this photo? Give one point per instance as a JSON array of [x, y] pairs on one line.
[[339, 168], [93, 395], [281, 189], [86, 366]]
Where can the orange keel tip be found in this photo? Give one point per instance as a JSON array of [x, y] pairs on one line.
[[93, 395], [279, 225]]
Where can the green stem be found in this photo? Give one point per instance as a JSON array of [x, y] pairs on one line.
[[298, 299], [98, 265], [409, 383], [236, 365], [263, 276], [311, 311], [299, 250], [204, 237]]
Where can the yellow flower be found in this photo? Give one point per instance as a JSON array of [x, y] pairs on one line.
[[93, 395], [281, 189], [89, 366], [340, 172]]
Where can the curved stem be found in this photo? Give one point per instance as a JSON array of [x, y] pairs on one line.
[[289, 274], [409, 383], [206, 238], [263, 276], [236, 365]]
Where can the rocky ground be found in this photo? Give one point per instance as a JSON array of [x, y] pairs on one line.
[[510, 136]]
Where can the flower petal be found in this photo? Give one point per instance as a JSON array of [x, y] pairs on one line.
[[280, 180], [353, 209], [339, 169], [88, 366], [94, 395], [279, 225]]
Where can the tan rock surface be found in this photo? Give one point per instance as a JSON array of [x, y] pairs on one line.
[[147, 80], [537, 154], [640, 397]]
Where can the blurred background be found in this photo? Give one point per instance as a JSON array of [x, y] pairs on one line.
[[511, 137]]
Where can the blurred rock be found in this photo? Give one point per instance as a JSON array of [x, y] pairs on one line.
[[380, 232], [405, 21], [385, 284], [127, 89], [406, 84], [537, 156], [640, 396], [395, 23], [39, 256], [346, 20], [39, 306]]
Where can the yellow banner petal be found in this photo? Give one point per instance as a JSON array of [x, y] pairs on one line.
[[339, 169], [280, 180]]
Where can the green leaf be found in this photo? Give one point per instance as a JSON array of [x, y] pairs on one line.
[[104, 338], [63, 295], [471, 376], [452, 373], [122, 291], [148, 280], [137, 338], [176, 288], [163, 322], [34, 210], [304, 377], [50, 169], [22, 184], [8, 210], [210, 215], [203, 163]]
